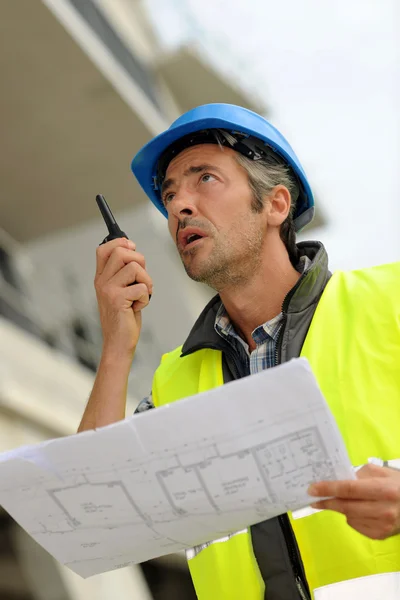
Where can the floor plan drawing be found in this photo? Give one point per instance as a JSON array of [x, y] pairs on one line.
[[178, 476]]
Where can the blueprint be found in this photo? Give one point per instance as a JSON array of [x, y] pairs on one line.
[[178, 476]]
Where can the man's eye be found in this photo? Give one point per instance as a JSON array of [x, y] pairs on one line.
[[167, 198], [206, 177]]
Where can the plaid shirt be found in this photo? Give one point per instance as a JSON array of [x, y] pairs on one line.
[[265, 336]]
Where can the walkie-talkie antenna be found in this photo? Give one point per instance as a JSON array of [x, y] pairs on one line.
[[109, 219]]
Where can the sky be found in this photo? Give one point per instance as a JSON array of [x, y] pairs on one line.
[[329, 73]]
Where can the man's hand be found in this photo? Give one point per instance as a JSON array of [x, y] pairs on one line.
[[118, 266], [371, 503]]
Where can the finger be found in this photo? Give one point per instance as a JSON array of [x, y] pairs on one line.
[[370, 471], [132, 273], [117, 261], [358, 489], [138, 296], [358, 509], [103, 252]]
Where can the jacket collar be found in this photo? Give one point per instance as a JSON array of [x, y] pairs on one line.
[[304, 294]]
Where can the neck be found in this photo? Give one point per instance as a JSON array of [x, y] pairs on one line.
[[261, 297]]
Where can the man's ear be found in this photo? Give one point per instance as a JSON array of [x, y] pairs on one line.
[[278, 207]]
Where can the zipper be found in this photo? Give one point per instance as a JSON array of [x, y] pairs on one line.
[[236, 369], [285, 306], [290, 540], [294, 557], [278, 346], [301, 590]]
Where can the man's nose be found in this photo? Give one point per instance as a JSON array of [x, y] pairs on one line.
[[184, 204]]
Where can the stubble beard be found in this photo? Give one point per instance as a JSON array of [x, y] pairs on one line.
[[232, 262]]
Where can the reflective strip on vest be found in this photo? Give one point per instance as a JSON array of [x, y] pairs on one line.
[[385, 586], [192, 552]]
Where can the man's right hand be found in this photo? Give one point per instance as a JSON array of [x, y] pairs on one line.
[[118, 265]]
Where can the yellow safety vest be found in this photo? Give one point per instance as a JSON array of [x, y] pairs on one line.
[[353, 346]]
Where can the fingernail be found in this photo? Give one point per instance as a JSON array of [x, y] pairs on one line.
[[312, 490]]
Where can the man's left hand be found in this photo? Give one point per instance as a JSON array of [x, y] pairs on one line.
[[370, 503]]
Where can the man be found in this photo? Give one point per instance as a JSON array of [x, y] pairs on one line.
[[234, 194]]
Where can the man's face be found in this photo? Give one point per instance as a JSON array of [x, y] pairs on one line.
[[218, 235]]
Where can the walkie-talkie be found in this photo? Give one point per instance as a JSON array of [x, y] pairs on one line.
[[114, 230]]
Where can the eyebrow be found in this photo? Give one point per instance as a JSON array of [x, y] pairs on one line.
[[193, 169]]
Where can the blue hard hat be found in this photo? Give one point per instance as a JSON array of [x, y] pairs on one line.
[[244, 125]]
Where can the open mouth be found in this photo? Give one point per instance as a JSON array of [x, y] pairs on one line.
[[187, 238], [193, 237]]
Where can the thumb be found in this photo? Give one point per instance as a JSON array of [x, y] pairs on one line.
[[371, 471]]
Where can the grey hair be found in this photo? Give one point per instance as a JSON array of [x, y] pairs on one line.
[[263, 175]]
